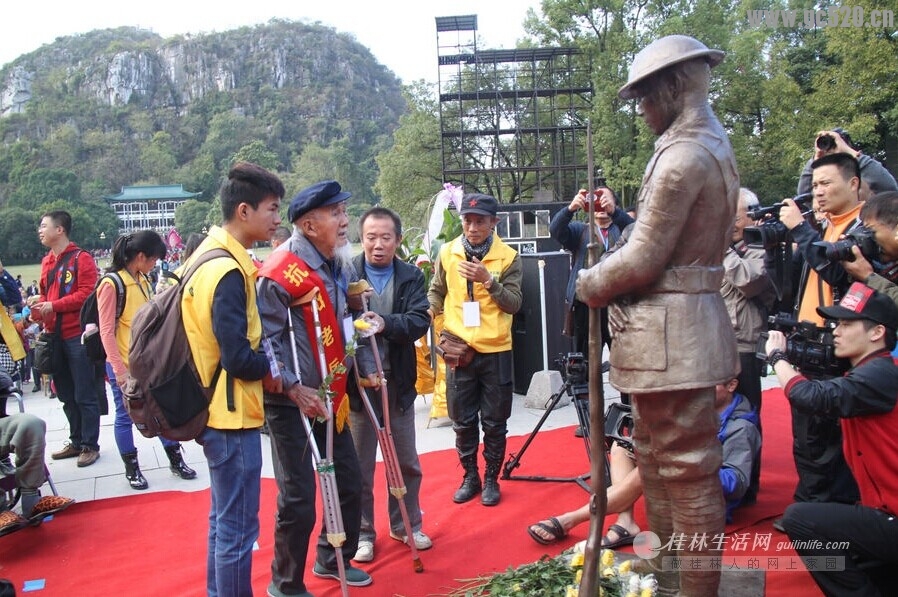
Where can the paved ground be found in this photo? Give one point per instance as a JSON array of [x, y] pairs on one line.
[[106, 477]]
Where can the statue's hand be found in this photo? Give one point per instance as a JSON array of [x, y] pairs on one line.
[[588, 290]]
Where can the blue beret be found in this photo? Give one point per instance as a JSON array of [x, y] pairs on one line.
[[326, 192]]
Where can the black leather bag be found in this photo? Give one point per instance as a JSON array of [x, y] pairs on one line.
[[47, 352]]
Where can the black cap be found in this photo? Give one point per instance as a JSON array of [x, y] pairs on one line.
[[862, 302], [476, 203], [326, 192]]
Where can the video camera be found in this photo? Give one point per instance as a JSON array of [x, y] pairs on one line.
[[840, 250], [770, 233], [809, 348], [573, 368]]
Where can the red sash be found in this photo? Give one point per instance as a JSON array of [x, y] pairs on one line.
[[297, 278]]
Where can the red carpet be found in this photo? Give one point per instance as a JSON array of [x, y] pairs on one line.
[[155, 544]]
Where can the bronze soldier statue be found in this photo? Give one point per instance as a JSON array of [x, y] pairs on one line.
[[673, 340]]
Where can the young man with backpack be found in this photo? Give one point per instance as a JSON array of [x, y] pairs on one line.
[[68, 276], [220, 297]]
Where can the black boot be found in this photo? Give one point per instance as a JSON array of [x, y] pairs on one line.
[[490, 495], [177, 465], [132, 471], [470, 485]]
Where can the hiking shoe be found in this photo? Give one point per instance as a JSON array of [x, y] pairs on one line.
[[88, 457], [354, 576], [365, 551], [68, 451], [274, 592], [422, 541]]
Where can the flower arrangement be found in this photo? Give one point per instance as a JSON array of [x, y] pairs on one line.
[[614, 580], [561, 576]]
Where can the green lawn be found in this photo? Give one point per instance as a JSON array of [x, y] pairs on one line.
[[33, 271]]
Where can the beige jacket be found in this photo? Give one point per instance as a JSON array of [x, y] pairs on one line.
[[746, 289], [670, 325]]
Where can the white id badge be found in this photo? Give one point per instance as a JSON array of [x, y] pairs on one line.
[[471, 314], [348, 329]]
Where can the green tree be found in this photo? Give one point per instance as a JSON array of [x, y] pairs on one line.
[[191, 216], [411, 170], [18, 236], [157, 160], [257, 152], [44, 185]]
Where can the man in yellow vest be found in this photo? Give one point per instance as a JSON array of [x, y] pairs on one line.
[[477, 287], [222, 322]]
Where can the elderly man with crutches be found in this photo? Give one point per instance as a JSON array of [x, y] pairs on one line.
[[316, 259]]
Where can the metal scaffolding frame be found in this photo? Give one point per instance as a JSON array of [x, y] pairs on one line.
[[512, 122]]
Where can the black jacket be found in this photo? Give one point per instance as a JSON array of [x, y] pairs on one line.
[[408, 322]]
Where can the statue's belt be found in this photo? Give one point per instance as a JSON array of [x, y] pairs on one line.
[[689, 280]]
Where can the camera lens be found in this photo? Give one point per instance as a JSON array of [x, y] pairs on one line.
[[826, 142]]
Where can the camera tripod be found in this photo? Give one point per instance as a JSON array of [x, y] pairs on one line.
[[579, 392]]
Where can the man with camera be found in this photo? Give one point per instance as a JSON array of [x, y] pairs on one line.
[[861, 537], [880, 217], [748, 293], [673, 341], [575, 237], [823, 475], [874, 177]]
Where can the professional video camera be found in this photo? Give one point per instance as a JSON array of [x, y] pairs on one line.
[[771, 233], [840, 250], [573, 368], [809, 348]]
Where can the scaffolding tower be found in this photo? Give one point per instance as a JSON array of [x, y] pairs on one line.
[[512, 122]]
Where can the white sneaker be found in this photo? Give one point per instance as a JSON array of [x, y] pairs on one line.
[[422, 541], [365, 551]]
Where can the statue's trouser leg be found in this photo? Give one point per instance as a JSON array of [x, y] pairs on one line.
[[679, 455]]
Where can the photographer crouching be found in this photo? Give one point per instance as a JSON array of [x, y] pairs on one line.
[[878, 268], [863, 538]]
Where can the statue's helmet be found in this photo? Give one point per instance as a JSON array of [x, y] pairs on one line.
[[663, 53]]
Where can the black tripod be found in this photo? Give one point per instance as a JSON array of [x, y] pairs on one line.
[[579, 393]]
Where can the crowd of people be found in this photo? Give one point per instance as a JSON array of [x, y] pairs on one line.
[[681, 293]]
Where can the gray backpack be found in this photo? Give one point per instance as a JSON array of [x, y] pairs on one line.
[[164, 394]]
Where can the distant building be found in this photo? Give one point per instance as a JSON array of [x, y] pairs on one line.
[[148, 207]]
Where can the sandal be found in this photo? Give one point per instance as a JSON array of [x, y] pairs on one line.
[[49, 505], [624, 538], [552, 526], [10, 522]]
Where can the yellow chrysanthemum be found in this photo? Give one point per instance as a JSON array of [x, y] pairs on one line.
[[577, 560], [361, 325], [607, 558], [625, 566], [572, 591], [608, 572], [646, 593], [579, 576]]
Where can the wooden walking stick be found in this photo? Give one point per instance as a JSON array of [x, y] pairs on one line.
[[395, 482], [327, 478], [598, 502]]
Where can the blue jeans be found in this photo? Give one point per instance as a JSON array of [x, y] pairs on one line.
[[124, 431], [76, 385], [235, 472]]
